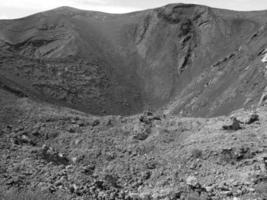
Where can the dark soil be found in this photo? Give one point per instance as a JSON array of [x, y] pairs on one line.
[[104, 107], [187, 60]]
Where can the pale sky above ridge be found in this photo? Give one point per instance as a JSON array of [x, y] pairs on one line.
[[10, 9]]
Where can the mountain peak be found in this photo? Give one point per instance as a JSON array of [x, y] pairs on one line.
[[65, 8], [182, 58]]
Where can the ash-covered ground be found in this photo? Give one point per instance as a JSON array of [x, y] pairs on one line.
[[50, 152], [162, 104]]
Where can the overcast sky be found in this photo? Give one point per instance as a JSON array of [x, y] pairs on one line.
[[19, 8]]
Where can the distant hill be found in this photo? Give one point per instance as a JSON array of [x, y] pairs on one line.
[[181, 59]]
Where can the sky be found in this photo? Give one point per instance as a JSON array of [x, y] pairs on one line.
[[10, 9]]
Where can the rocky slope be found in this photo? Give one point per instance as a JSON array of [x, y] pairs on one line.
[[183, 59], [60, 70], [50, 152]]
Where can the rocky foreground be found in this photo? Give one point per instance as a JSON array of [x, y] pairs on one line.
[[50, 152], [179, 61]]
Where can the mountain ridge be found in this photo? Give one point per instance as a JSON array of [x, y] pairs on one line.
[[101, 106], [174, 58]]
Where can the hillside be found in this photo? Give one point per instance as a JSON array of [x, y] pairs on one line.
[[182, 59], [50, 152], [161, 104]]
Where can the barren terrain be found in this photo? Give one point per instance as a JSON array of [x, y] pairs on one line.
[[183, 59], [136, 106]]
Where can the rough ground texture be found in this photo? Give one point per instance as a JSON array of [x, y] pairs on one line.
[[74, 86], [184, 59], [56, 151]]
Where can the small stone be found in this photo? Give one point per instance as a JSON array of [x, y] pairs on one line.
[[25, 137], [58, 183], [235, 183], [52, 189], [209, 188], [74, 160], [239, 192], [77, 141], [36, 132], [227, 193], [193, 166], [146, 175], [73, 188], [89, 169], [96, 123], [223, 186], [251, 189], [60, 155], [192, 181], [140, 136], [71, 130]]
